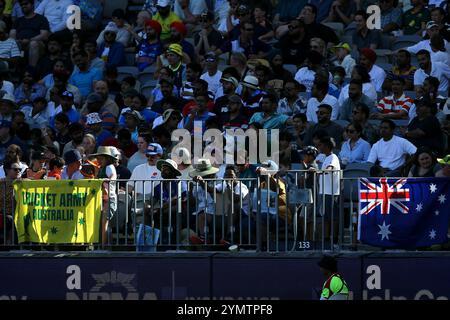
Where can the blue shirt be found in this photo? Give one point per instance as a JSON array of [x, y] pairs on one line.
[[360, 153], [148, 115], [323, 8], [105, 134], [201, 118], [83, 80], [147, 54], [72, 114], [37, 91], [275, 121]]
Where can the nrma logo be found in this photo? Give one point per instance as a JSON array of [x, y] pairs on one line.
[[109, 286]]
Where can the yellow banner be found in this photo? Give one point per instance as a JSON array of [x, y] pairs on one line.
[[58, 211]]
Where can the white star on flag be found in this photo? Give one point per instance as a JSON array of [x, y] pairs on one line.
[[442, 198], [436, 212], [433, 188], [419, 207], [384, 231], [432, 234]]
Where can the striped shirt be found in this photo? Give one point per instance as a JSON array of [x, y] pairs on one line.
[[9, 49], [390, 104]]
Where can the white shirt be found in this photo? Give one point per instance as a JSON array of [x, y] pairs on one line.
[[368, 90], [438, 70], [8, 87], [377, 76], [391, 154], [348, 63], [40, 120], [123, 36], [440, 56], [135, 160], [144, 172], [196, 7], [23, 167], [221, 9], [329, 182], [213, 81], [75, 176], [55, 12], [425, 45], [9, 49], [240, 189], [313, 106]]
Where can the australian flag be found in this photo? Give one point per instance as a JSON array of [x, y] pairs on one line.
[[403, 213]]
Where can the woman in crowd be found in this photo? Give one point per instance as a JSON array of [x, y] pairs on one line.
[[355, 149], [425, 164]]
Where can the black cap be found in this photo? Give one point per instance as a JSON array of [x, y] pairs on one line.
[[72, 156], [328, 263]]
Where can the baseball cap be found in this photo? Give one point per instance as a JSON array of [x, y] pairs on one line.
[[176, 48], [163, 3], [154, 149], [72, 156], [343, 45]]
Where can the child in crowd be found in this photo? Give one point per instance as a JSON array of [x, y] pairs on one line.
[[56, 166]]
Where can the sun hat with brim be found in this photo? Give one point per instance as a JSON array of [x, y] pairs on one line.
[[175, 48], [445, 160], [105, 151], [203, 168], [342, 45], [9, 99], [136, 114], [168, 113], [93, 118], [169, 163], [431, 24], [231, 80], [251, 82], [270, 166]]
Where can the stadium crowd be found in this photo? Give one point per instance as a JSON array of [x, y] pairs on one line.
[[103, 101]]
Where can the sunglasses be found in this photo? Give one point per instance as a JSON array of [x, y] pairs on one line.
[[15, 169]]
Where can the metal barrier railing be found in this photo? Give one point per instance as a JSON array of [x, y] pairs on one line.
[[302, 210]]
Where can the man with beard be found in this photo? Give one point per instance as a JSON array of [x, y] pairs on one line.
[[95, 104], [324, 123], [306, 75], [111, 51], [234, 118], [403, 68], [166, 85], [46, 63], [101, 88], [294, 45], [208, 39], [178, 32], [428, 68], [150, 48], [367, 59], [229, 86], [269, 118], [76, 133], [60, 86], [193, 73], [355, 96], [319, 96], [165, 17], [85, 76]]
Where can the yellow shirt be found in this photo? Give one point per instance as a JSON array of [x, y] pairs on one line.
[[165, 23], [8, 7]]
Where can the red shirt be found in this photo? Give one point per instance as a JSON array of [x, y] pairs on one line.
[[191, 104]]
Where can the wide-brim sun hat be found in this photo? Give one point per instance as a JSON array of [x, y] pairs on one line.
[[203, 168], [169, 163], [106, 151]]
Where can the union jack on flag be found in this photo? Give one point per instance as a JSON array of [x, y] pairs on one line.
[[403, 213], [384, 195]]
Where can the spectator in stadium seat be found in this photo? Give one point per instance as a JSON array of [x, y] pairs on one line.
[[324, 123], [319, 96], [13, 154], [95, 127], [133, 120], [189, 11], [429, 68], [239, 62], [76, 134], [178, 32], [342, 11], [55, 12], [29, 89], [269, 118], [425, 130], [139, 156], [344, 59], [198, 113], [432, 29], [171, 119], [391, 16], [363, 37], [355, 97], [150, 47], [438, 16], [403, 68], [355, 149], [279, 73], [430, 89], [91, 14], [72, 168], [415, 19], [390, 151], [234, 117], [301, 125], [314, 28], [174, 55], [7, 200], [445, 163], [89, 144], [243, 15], [360, 73], [61, 127], [323, 75], [30, 32], [425, 164], [60, 85], [95, 104], [287, 10], [212, 74], [246, 43], [123, 36], [306, 75], [291, 104], [263, 27], [229, 86], [294, 44], [438, 51], [101, 88], [367, 59], [9, 51], [90, 46], [251, 95], [168, 99], [339, 78], [37, 113], [139, 104], [110, 50], [208, 39], [85, 76], [54, 53], [165, 17], [396, 106], [199, 87], [360, 115]]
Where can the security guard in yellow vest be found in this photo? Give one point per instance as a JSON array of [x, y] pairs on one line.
[[335, 287]]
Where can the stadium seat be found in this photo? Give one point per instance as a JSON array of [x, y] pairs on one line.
[[337, 27], [383, 55], [405, 41], [386, 42], [385, 66], [292, 68], [130, 59], [127, 71], [147, 74], [350, 29], [351, 173], [342, 123]]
